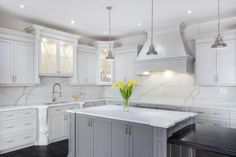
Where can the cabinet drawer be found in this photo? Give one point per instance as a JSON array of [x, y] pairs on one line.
[[19, 114], [56, 110], [233, 115], [202, 112], [17, 140], [212, 122], [16, 125]]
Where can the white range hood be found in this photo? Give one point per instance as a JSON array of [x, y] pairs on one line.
[[173, 52]]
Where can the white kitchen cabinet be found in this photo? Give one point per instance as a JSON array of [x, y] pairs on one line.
[[141, 140], [119, 139], [56, 57], [17, 129], [24, 63], [57, 127], [130, 140], [6, 53], [216, 67], [87, 65], [17, 63], [58, 122], [92, 139], [124, 66]]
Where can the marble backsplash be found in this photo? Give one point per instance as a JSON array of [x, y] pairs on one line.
[[42, 93], [175, 88]]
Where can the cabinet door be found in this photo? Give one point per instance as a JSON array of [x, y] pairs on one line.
[[82, 68], [56, 127], [119, 139], [48, 56], [6, 52], [226, 64], [141, 141], [120, 67], [66, 62], [205, 65], [100, 137], [83, 138], [24, 63], [91, 68], [124, 66]]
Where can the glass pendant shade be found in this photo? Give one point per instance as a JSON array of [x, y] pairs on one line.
[[219, 43], [152, 50], [109, 55]]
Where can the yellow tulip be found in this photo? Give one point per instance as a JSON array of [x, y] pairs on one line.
[[121, 84], [130, 83]]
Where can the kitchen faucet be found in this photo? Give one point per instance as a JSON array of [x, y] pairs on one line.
[[53, 92]]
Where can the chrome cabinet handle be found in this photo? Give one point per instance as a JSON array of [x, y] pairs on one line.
[[130, 129], [126, 129], [27, 124], [27, 137], [9, 127], [10, 141], [89, 122]]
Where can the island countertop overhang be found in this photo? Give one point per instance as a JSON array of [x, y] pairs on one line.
[[153, 117]]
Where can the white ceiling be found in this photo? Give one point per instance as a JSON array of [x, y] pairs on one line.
[[91, 17]]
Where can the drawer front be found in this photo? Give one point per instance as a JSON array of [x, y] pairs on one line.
[[19, 114], [213, 122], [219, 114], [17, 125], [17, 140], [233, 115], [56, 110]]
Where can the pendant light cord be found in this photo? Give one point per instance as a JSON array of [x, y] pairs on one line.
[[219, 17], [152, 25], [109, 8]]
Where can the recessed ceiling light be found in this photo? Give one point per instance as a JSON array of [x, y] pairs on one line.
[[139, 24], [189, 12], [22, 6], [72, 22]]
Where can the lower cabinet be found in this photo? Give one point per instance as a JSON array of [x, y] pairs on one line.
[[92, 138], [98, 137], [58, 122], [17, 129]]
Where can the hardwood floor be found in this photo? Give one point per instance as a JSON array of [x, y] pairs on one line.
[[58, 149]]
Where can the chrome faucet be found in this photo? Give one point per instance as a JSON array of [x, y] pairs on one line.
[[53, 92]]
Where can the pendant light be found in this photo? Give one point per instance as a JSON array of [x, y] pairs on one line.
[[110, 55], [219, 43], [152, 50]]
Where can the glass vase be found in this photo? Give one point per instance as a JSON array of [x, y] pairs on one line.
[[126, 105]]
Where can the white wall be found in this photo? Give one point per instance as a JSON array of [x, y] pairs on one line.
[[43, 93]]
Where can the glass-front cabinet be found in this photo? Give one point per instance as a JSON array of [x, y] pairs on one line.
[[105, 65], [56, 57]]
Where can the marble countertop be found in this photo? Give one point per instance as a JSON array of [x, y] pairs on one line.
[[152, 117], [45, 105]]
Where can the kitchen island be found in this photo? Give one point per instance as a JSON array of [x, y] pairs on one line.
[[107, 131]]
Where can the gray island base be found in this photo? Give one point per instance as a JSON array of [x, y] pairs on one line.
[[107, 131]]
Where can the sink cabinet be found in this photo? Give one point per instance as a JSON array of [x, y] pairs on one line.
[[58, 122]]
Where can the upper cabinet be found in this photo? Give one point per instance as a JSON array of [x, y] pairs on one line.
[[105, 71], [216, 67], [87, 65], [56, 57], [124, 63], [55, 52], [16, 59]]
